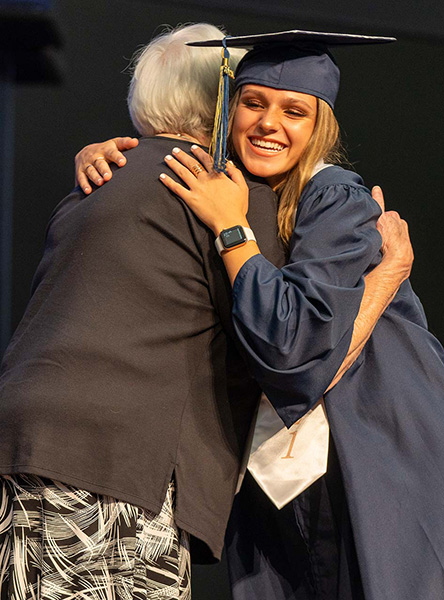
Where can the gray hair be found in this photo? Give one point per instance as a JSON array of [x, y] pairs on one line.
[[174, 87]]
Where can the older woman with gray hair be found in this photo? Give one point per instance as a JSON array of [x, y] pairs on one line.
[[125, 404], [115, 389]]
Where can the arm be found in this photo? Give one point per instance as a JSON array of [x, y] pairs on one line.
[[381, 284]]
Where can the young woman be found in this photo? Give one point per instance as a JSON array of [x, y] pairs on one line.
[[387, 412]]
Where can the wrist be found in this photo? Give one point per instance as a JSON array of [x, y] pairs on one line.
[[232, 238], [228, 223]]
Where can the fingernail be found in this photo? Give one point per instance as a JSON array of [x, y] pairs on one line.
[[162, 176], [176, 150], [99, 181], [194, 147], [169, 157], [121, 161], [106, 174], [86, 189]]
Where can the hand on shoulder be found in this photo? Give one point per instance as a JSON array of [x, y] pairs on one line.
[[92, 162]]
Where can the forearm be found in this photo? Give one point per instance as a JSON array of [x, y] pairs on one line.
[[235, 259], [381, 286]]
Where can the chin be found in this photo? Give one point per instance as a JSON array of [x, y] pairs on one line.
[[263, 173], [258, 170]]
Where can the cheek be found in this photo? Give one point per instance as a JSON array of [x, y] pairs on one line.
[[302, 136]]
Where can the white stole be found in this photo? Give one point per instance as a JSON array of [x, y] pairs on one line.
[[285, 462]]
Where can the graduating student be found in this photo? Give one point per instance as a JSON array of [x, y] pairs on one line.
[[296, 323]]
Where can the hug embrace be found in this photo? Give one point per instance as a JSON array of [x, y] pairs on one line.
[[130, 388]]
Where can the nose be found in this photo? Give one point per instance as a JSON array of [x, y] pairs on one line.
[[269, 121]]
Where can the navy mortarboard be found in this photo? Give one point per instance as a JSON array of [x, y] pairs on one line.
[[294, 60]]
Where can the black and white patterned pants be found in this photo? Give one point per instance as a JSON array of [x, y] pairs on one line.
[[61, 543]]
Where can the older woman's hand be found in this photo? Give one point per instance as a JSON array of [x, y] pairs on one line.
[[396, 246], [92, 162], [219, 201]]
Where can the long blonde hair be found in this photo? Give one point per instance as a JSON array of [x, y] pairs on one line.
[[324, 144]]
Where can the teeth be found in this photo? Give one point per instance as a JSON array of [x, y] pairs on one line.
[[268, 145]]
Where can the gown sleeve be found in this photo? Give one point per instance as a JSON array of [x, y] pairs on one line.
[[296, 323]]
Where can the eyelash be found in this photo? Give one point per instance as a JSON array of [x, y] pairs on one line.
[[296, 113]]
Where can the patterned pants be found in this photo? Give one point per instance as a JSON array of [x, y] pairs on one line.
[[58, 543]]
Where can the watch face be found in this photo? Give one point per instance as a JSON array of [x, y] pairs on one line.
[[233, 237]]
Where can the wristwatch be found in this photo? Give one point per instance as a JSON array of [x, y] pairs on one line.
[[233, 238]]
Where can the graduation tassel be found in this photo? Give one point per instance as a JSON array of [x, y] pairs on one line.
[[218, 146]]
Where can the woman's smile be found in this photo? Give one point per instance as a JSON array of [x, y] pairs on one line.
[[266, 146], [271, 130]]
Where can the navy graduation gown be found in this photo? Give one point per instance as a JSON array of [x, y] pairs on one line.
[[387, 412], [296, 323]]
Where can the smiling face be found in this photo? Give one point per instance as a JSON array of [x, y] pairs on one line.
[[271, 129]]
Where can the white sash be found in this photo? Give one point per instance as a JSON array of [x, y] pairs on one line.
[[285, 462]]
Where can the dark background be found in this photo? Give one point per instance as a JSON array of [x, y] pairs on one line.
[[390, 108]]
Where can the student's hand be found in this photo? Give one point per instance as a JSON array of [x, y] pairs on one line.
[[220, 201], [92, 162], [396, 246]]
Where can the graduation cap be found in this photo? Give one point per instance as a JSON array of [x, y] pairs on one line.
[[295, 60]]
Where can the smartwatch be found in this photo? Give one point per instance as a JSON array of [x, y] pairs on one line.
[[233, 238]]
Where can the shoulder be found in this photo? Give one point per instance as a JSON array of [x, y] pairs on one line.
[[334, 176], [262, 206], [334, 188], [134, 200], [145, 162], [135, 190], [260, 193]]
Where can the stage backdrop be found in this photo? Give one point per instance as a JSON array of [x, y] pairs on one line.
[[390, 109]]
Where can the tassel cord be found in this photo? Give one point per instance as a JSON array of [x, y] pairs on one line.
[[218, 146]]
